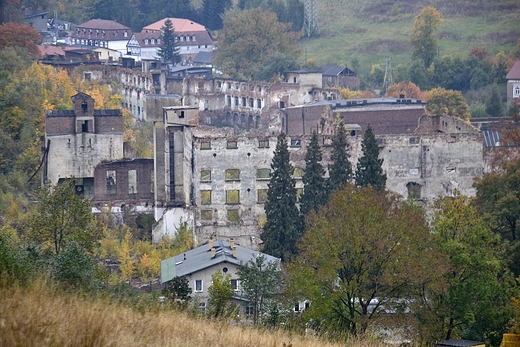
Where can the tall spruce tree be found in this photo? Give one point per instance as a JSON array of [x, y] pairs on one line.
[[313, 182], [340, 172], [282, 229], [169, 51], [369, 168]]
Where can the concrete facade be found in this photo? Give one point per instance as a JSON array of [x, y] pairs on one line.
[[80, 139]]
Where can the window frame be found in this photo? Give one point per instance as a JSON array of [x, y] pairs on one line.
[[232, 175], [207, 200], [229, 196], [201, 286]]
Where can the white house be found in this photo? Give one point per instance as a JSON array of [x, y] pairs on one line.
[[199, 264], [102, 33], [191, 37]]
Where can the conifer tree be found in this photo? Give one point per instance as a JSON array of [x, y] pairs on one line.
[[282, 229], [314, 184], [494, 105], [340, 172], [369, 168], [169, 51]]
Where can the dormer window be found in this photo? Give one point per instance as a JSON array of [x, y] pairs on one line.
[[115, 33], [152, 41], [158, 41], [125, 34], [193, 38], [103, 33], [145, 41]]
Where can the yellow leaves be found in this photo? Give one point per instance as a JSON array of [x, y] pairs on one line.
[[408, 89], [446, 102], [346, 93], [127, 264]]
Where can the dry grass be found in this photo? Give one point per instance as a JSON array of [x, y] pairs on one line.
[[38, 317]]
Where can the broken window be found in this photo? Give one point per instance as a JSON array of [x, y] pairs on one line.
[[296, 143], [232, 175], [244, 102], [232, 216], [111, 182], [258, 103], [232, 145], [232, 197], [236, 100], [205, 144], [262, 195], [228, 100], [205, 197], [206, 214], [84, 107], [132, 182], [205, 175], [251, 102], [263, 173], [84, 126], [263, 143], [414, 190]]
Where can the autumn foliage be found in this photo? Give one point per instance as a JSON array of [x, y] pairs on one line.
[[13, 34], [408, 89]]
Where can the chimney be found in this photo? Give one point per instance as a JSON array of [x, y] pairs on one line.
[[212, 252], [211, 243], [232, 243], [234, 252]]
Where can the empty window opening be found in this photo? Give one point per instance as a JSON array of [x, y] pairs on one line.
[[132, 182], [232, 175], [111, 182], [84, 126], [205, 175], [233, 216], [414, 190], [232, 196], [206, 214]]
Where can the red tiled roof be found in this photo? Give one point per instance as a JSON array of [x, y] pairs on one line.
[[51, 50], [181, 25], [514, 73]]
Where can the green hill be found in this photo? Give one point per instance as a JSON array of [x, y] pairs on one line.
[[369, 30]]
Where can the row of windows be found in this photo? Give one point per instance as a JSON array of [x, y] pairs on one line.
[[243, 102], [233, 198], [234, 174], [90, 42], [111, 182], [103, 33], [206, 144], [199, 285], [238, 86]]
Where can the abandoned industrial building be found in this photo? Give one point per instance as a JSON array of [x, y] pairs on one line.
[[214, 139]]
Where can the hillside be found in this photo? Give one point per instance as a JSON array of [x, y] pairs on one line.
[[369, 30]]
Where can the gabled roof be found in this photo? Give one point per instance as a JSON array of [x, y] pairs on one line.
[[201, 258], [335, 70], [181, 25], [103, 24], [203, 58], [514, 73]]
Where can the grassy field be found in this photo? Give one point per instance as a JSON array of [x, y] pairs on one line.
[[370, 30], [40, 317]]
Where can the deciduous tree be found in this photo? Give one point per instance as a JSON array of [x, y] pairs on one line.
[[424, 39], [369, 170], [282, 229], [220, 295], [250, 38], [260, 280], [408, 89], [446, 102], [473, 300], [61, 215], [26, 36], [361, 255], [314, 194]]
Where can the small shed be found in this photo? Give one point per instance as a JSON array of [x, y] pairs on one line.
[[460, 343]]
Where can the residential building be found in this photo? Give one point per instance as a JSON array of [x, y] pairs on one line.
[[513, 85], [191, 38], [199, 264], [102, 33]]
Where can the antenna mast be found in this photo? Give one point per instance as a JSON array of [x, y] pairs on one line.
[[310, 21]]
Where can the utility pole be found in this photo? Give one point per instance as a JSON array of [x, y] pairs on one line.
[[389, 75], [310, 21]]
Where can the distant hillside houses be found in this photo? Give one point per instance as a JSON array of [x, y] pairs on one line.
[[191, 38]]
